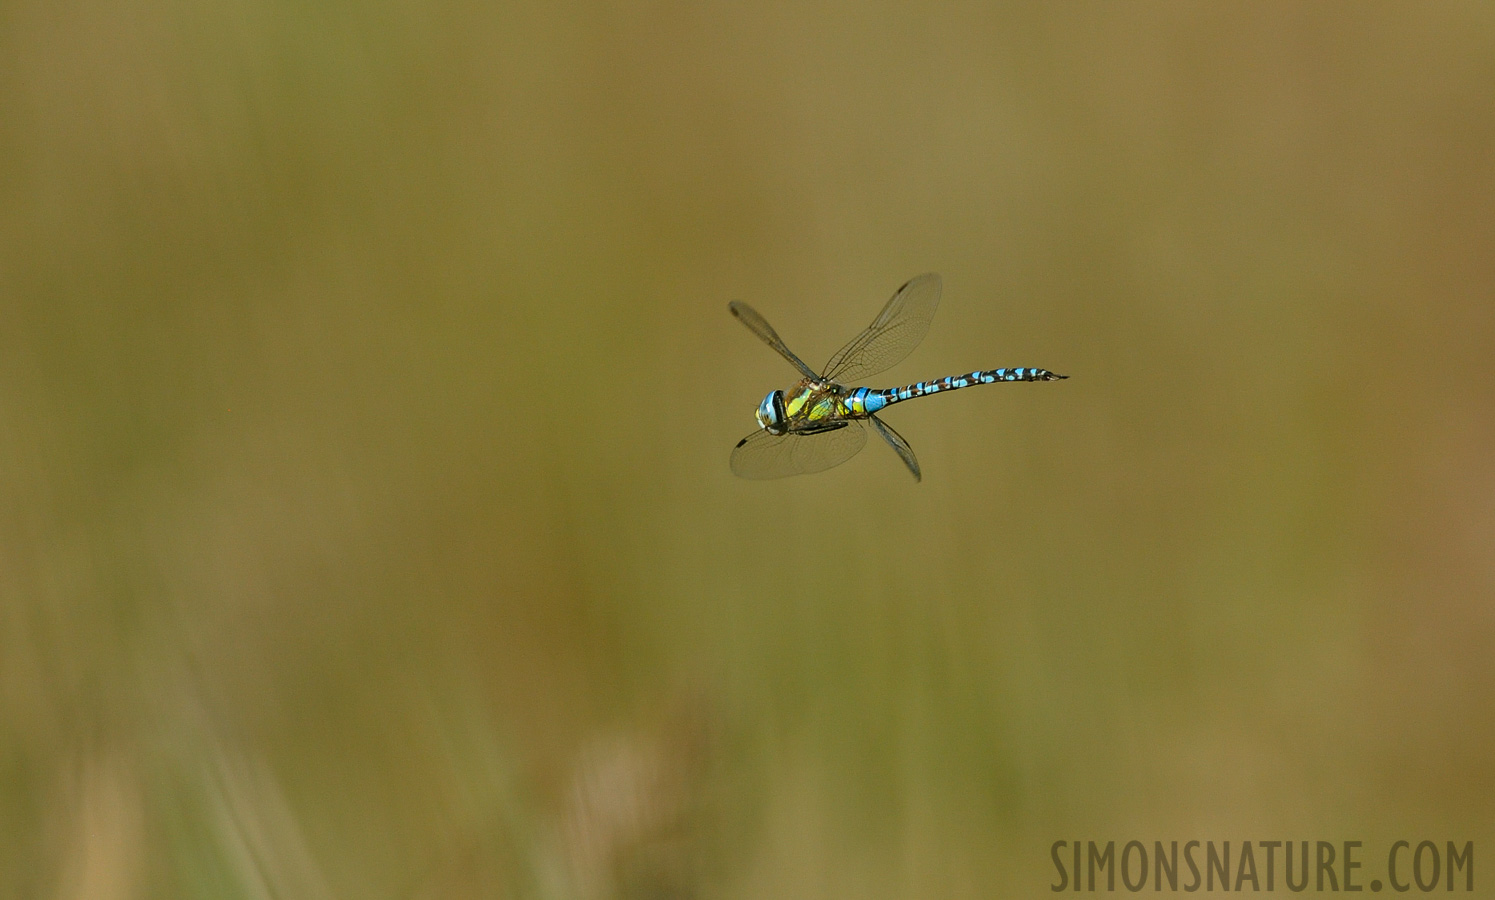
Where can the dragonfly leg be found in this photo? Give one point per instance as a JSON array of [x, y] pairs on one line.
[[820, 428]]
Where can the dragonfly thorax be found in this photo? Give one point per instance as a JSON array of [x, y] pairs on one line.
[[812, 406]]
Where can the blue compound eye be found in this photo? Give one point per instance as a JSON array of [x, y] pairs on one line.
[[771, 413]]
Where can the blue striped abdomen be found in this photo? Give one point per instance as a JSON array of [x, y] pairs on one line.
[[863, 401]]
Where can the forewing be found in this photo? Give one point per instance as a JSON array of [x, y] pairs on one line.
[[899, 445], [759, 326], [761, 455], [894, 334]]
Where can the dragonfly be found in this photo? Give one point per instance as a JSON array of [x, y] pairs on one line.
[[820, 422]]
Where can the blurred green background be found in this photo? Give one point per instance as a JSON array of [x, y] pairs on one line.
[[367, 386]]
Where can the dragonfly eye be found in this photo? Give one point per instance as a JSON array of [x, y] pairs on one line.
[[771, 413]]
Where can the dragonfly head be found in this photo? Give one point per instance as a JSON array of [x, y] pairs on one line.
[[771, 416]]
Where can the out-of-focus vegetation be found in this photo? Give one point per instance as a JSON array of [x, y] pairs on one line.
[[366, 389]]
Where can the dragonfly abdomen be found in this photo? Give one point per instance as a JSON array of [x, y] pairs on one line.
[[870, 400]]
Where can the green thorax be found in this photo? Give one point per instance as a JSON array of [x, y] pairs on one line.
[[814, 403]]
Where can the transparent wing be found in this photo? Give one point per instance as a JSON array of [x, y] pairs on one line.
[[894, 334], [899, 445], [759, 326], [761, 455]]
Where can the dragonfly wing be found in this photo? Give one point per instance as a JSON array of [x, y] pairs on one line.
[[899, 445], [894, 334], [761, 455], [759, 326]]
